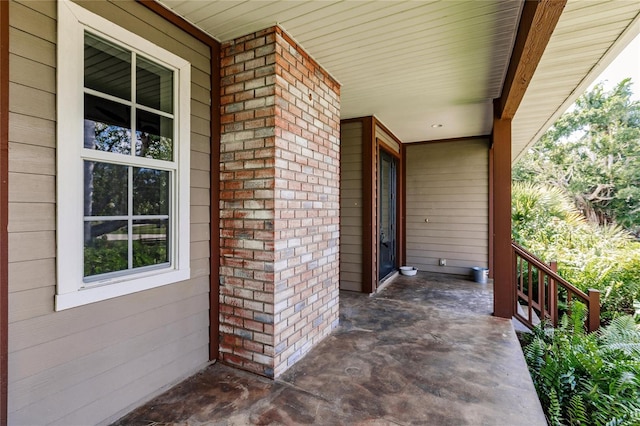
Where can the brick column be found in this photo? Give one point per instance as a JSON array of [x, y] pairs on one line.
[[279, 201]]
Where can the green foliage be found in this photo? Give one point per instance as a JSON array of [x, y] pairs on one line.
[[585, 379], [605, 258], [592, 153]]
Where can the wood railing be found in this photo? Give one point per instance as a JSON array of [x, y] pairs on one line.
[[542, 294]]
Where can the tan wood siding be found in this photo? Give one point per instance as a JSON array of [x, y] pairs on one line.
[[90, 364], [447, 205], [351, 200]]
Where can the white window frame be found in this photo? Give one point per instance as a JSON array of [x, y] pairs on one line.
[[72, 290]]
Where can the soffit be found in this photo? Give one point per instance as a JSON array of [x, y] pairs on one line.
[[410, 63], [588, 36]]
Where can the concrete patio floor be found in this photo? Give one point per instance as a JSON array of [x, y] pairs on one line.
[[424, 350]]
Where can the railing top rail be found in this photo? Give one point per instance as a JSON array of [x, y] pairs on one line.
[[531, 258]]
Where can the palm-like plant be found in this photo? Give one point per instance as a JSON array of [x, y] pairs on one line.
[[606, 258]]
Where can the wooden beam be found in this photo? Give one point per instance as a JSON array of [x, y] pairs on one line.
[[492, 265], [539, 19], [369, 262], [503, 288]]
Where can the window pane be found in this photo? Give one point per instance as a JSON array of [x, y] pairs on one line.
[[154, 86], [105, 189], [105, 247], [107, 125], [107, 68], [150, 242], [150, 192], [154, 136]]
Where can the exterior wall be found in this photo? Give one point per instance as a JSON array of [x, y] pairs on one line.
[[88, 365], [447, 205], [280, 202], [351, 207]]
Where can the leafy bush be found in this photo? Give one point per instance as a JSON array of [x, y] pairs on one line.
[[591, 379], [605, 258]]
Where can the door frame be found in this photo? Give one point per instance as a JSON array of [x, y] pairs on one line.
[[372, 145]]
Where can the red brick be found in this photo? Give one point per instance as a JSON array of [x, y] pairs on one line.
[[287, 136]]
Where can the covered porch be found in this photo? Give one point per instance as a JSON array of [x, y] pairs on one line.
[[424, 349], [447, 95]]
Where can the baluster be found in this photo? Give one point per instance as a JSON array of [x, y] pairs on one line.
[[541, 289]]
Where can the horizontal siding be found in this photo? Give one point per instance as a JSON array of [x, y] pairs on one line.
[[41, 379], [28, 130], [32, 274], [25, 217], [447, 206], [100, 387], [90, 364], [32, 73], [351, 216]]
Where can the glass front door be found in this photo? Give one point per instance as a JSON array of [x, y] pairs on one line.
[[387, 215]]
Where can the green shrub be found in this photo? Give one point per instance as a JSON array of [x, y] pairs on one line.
[[604, 258], [587, 379]]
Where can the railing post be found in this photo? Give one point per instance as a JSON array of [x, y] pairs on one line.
[[553, 295], [515, 285], [541, 291], [594, 310]]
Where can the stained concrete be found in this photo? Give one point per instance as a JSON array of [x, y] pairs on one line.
[[423, 351]]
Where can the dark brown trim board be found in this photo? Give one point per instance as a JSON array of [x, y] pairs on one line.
[[491, 218], [4, 206], [214, 265], [369, 154], [503, 288], [386, 148], [400, 209], [537, 22], [402, 214]]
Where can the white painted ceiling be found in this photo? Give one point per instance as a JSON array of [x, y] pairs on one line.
[[410, 63], [417, 63]]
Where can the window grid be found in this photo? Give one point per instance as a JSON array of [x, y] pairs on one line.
[[139, 161]]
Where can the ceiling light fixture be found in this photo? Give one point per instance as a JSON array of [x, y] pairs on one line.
[[436, 126]]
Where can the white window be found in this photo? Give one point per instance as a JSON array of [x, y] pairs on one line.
[[123, 161]]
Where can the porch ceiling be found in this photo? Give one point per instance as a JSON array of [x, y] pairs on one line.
[[414, 64]]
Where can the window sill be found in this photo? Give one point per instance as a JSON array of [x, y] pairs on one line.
[[131, 285]]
